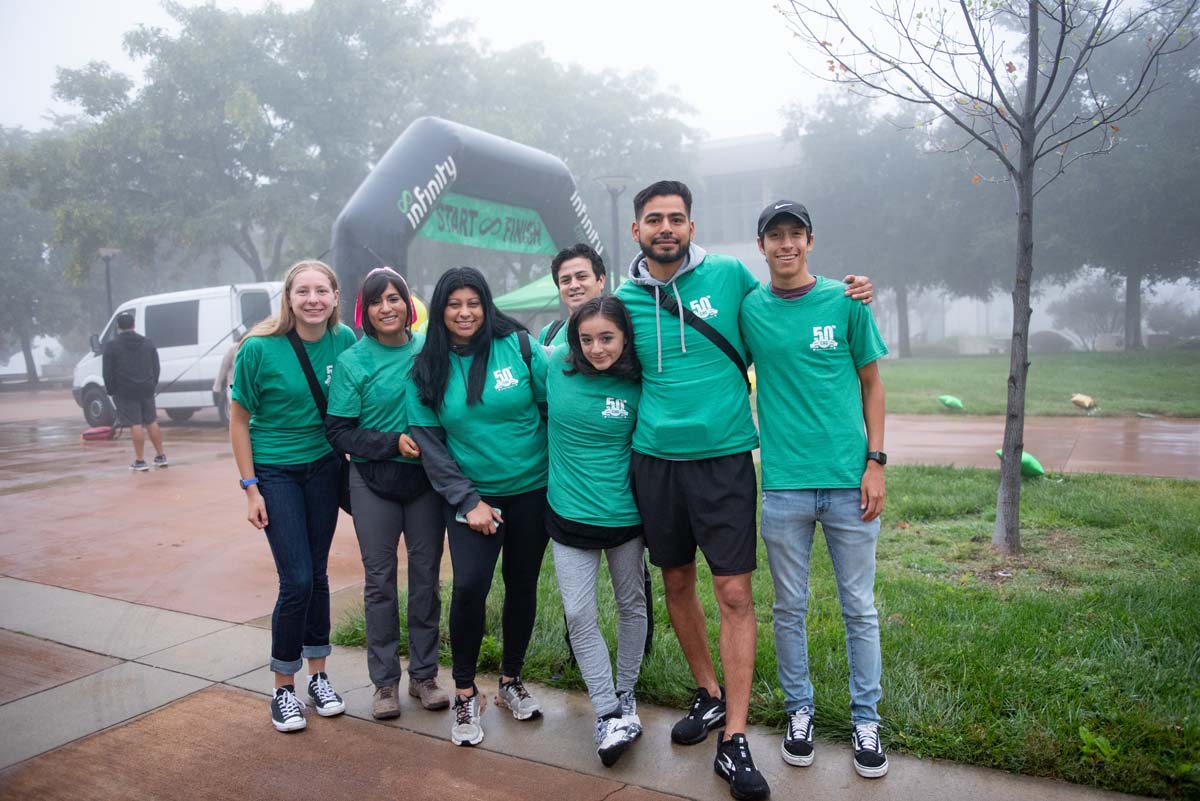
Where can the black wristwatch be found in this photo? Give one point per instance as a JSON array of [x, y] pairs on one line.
[[877, 456]]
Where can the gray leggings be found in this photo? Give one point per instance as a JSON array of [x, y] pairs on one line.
[[378, 523], [577, 569]]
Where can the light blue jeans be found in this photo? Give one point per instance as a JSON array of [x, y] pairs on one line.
[[788, 521]]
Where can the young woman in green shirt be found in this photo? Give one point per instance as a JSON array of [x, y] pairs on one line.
[[389, 492], [473, 413], [291, 476], [593, 388]]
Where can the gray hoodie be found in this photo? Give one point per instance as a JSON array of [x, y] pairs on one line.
[[639, 273]]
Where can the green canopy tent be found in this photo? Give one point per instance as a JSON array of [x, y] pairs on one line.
[[539, 296]]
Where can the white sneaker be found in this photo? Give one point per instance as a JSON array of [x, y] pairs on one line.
[[629, 707], [613, 738], [468, 726], [514, 696]]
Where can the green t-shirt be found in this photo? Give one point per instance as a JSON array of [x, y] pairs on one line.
[[590, 432], [560, 336], [369, 383], [268, 382], [694, 405], [807, 353], [500, 442]]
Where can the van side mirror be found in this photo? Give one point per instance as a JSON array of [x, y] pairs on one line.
[[95, 343]]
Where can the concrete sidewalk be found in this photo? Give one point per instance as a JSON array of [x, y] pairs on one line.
[[113, 700]]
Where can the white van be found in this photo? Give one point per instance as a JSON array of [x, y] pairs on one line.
[[192, 330]]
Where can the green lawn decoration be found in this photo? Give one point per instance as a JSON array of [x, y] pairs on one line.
[[1030, 466], [950, 402]]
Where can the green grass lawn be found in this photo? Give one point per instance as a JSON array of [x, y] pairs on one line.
[[1156, 382], [1078, 659]]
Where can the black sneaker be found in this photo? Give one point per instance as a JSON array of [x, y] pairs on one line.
[[706, 714], [869, 759], [287, 710], [735, 765], [797, 745], [327, 702]]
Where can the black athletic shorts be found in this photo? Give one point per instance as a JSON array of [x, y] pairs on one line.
[[134, 411], [710, 503]]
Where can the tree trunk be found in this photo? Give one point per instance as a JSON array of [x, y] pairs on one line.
[[1133, 310], [1006, 537], [30, 364], [904, 343]]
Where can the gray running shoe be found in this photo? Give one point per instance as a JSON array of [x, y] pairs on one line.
[[468, 726], [160, 460], [139, 465], [514, 696]]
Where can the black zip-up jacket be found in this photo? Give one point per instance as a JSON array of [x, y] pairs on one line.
[[130, 366]]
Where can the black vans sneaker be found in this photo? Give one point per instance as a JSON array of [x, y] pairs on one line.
[[706, 714], [327, 702], [797, 745], [869, 759], [735, 765], [287, 711]]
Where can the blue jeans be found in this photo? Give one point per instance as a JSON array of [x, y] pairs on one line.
[[302, 507], [788, 521]]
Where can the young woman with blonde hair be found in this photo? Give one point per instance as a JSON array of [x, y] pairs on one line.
[[291, 475]]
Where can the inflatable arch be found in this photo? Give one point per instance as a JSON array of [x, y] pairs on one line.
[[451, 183]]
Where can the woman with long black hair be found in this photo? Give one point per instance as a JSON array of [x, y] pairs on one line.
[[473, 412], [389, 492]]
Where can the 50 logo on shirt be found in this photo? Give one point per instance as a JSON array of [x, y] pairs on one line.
[[823, 338], [614, 407], [504, 378]]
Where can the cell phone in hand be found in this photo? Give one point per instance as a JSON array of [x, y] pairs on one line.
[[461, 518]]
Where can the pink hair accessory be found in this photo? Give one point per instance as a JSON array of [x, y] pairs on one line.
[[358, 310]]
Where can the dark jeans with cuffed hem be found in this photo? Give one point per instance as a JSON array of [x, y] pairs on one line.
[[302, 510], [522, 540]]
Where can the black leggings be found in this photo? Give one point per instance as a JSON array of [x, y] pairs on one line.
[[522, 537]]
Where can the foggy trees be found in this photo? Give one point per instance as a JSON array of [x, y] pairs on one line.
[[1089, 311], [252, 130], [1015, 79]]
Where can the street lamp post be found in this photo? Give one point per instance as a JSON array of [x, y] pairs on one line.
[[106, 255], [616, 185]]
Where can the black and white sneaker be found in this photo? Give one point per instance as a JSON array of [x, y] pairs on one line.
[[287, 711], [797, 745], [629, 711], [327, 702], [869, 759], [706, 714], [613, 738], [736, 766]]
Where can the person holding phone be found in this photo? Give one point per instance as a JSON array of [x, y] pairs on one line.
[[473, 413]]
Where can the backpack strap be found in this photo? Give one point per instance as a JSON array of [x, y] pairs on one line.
[[313, 386], [553, 330], [668, 304]]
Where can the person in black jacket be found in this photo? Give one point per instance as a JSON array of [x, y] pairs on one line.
[[131, 378]]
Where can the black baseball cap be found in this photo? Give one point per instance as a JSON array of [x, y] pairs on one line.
[[789, 207], [125, 320]]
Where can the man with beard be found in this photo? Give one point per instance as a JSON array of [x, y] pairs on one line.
[[692, 470]]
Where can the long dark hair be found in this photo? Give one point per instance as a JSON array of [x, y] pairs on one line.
[[431, 368], [627, 366]]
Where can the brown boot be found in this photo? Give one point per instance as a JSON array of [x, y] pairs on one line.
[[432, 696], [386, 704]]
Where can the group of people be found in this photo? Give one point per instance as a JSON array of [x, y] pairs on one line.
[[628, 428]]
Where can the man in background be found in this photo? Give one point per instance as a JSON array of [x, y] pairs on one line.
[[130, 363]]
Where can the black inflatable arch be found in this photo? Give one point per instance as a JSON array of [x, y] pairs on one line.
[[435, 158]]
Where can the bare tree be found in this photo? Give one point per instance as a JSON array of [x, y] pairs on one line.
[[1013, 78]]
